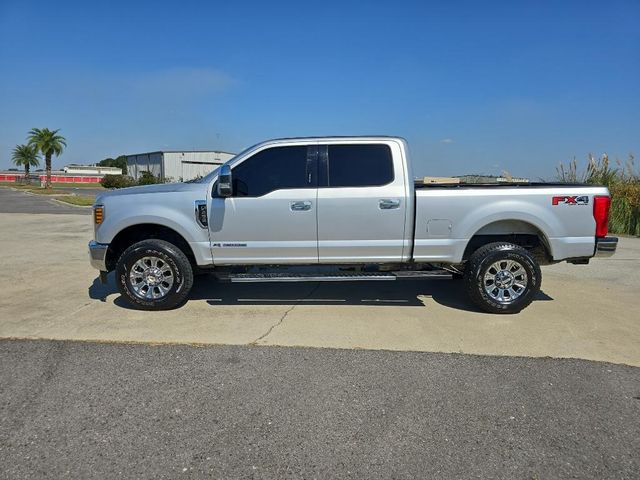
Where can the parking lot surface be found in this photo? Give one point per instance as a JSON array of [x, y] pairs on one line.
[[83, 410], [50, 291], [15, 201], [411, 380]]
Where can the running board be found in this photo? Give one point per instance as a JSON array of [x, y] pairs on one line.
[[333, 277]]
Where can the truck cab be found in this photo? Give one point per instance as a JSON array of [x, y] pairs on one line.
[[305, 202]]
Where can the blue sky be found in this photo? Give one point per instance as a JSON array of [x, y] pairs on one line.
[[475, 87]]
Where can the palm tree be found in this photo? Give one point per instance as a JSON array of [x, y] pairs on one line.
[[26, 156], [49, 143]]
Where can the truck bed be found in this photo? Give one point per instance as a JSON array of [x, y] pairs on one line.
[[447, 216], [421, 185]]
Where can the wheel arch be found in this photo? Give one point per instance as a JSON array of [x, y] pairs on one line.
[[145, 231], [517, 231]]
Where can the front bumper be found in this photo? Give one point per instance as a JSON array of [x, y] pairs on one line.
[[605, 247], [98, 255]]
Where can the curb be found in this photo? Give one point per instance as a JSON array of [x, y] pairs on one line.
[[69, 204], [26, 192]]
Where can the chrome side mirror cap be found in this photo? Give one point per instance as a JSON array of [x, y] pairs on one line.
[[225, 182]]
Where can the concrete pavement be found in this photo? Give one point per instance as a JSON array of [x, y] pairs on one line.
[[49, 291]]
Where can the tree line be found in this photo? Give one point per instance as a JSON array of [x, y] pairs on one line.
[[43, 142], [40, 141]]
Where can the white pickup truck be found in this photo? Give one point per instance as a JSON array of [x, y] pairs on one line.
[[342, 209]]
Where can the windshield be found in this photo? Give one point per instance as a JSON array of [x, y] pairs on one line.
[[208, 177]]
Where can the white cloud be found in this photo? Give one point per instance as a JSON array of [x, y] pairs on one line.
[[446, 140]]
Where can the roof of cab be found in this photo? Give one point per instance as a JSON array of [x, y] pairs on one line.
[[336, 137]]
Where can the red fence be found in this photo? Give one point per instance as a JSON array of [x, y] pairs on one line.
[[12, 177]]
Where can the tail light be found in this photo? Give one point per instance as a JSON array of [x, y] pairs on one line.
[[601, 206]]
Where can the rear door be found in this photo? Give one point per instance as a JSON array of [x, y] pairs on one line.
[[361, 203], [271, 216]]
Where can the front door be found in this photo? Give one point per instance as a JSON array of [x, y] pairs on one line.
[[271, 216]]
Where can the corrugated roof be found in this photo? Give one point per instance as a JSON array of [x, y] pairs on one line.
[[179, 151]]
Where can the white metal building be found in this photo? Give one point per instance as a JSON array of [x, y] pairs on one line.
[[91, 170], [175, 166]]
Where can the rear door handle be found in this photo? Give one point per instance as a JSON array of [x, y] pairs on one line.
[[300, 206], [388, 204]]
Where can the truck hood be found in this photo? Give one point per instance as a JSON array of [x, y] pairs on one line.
[[159, 188]]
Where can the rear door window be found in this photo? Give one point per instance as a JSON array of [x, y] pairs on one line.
[[359, 165]]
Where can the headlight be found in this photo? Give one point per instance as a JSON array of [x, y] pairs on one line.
[[98, 214]]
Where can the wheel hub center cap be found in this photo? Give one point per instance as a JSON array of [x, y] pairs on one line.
[[504, 279], [152, 276]]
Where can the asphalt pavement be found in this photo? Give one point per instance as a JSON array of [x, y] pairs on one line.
[[15, 201], [91, 410]]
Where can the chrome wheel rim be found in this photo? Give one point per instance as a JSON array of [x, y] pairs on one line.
[[151, 278], [505, 281]]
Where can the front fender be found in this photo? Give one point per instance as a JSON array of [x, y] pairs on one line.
[[172, 210]]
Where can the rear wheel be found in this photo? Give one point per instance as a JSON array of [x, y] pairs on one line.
[[154, 275], [502, 278]]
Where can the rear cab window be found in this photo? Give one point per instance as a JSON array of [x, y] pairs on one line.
[[365, 165]]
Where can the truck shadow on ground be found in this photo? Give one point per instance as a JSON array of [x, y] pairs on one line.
[[399, 293]]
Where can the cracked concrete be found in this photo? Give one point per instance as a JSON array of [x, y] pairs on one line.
[[287, 312], [48, 290]]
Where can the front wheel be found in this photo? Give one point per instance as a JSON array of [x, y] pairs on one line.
[[502, 278], [154, 275]]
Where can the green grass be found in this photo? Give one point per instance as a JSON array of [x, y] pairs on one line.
[[80, 200]]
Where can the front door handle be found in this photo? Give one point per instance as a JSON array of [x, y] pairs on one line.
[[300, 206], [388, 204]]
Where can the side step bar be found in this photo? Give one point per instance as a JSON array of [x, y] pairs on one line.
[[333, 277]]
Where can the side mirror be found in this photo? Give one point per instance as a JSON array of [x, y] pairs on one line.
[[225, 183]]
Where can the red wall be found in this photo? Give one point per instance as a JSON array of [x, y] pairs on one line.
[[12, 177]]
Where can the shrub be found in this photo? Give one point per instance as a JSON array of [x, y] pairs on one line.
[[117, 181], [623, 183], [625, 208], [148, 178]]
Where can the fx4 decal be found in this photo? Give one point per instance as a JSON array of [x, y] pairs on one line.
[[570, 200]]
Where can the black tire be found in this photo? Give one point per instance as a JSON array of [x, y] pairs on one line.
[[482, 263], [170, 258]]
